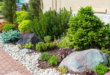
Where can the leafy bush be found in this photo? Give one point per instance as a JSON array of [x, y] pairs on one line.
[[8, 27], [86, 30], [28, 45], [47, 38], [62, 69], [44, 46], [41, 46], [101, 69], [51, 23], [24, 25], [53, 60], [44, 56], [11, 36], [63, 43], [22, 15]]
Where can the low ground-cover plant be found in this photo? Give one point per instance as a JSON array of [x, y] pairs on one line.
[[11, 36], [86, 30], [53, 60], [63, 43], [47, 38], [45, 46], [101, 69], [24, 25], [62, 69], [22, 15], [8, 27], [41, 46], [44, 56], [28, 45], [51, 23]]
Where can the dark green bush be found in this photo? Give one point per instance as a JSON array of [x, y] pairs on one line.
[[53, 60], [51, 23], [8, 10], [25, 6], [8, 27], [101, 69], [86, 30], [44, 56], [11, 36], [47, 38]]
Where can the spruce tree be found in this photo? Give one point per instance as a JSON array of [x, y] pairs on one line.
[[35, 7], [8, 10]]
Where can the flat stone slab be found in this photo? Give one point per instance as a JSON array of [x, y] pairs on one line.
[[108, 73], [13, 73]]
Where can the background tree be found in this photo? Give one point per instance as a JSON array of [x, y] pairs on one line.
[[8, 10], [35, 7]]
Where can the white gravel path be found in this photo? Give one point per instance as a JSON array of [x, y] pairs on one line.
[[30, 61]]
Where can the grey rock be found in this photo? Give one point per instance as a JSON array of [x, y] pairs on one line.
[[29, 37], [27, 50], [78, 61]]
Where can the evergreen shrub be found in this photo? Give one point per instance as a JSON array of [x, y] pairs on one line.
[[24, 25], [51, 23], [22, 15], [86, 30], [8, 27]]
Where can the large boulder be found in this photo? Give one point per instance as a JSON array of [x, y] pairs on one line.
[[78, 61], [29, 37]]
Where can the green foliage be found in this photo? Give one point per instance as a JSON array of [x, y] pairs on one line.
[[51, 23], [35, 7], [47, 38], [24, 25], [44, 46], [25, 6], [63, 43], [41, 46], [51, 45], [53, 60], [62, 69], [28, 45], [44, 56], [86, 30], [108, 28], [22, 15], [101, 69], [8, 10], [8, 27], [11, 36]]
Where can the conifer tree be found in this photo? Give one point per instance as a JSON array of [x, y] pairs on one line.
[[35, 7], [8, 10]]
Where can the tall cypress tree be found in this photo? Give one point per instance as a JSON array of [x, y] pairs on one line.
[[8, 10], [35, 7]]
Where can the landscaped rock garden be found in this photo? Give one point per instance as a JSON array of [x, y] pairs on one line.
[[56, 43]]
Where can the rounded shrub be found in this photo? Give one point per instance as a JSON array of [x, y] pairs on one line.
[[47, 38], [8, 27], [53, 60], [41, 46], [86, 30], [44, 56], [22, 15], [24, 25]]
